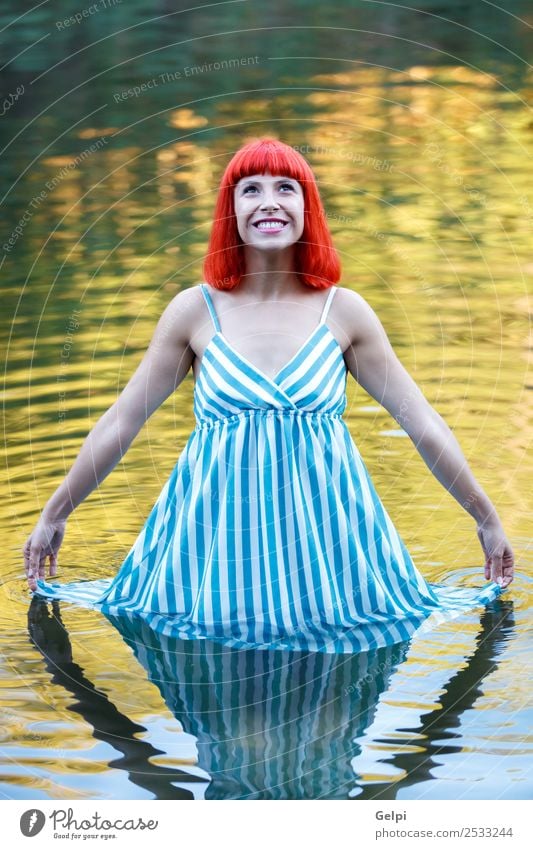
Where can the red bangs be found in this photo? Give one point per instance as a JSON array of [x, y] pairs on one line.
[[317, 262], [258, 157]]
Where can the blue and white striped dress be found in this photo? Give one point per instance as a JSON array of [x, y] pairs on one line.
[[269, 531]]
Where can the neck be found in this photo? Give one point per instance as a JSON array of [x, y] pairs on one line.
[[269, 273]]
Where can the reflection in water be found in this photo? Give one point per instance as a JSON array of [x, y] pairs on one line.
[[49, 635], [430, 739], [268, 724]]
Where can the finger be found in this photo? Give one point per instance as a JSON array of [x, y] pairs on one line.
[[488, 563], [53, 564], [26, 553], [508, 574], [33, 569], [497, 568], [42, 566]]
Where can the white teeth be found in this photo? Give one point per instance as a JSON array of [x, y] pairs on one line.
[[270, 225]]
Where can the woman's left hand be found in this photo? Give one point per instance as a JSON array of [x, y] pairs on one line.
[[499, 557]]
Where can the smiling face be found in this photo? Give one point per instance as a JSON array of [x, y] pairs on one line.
[[269, 211]]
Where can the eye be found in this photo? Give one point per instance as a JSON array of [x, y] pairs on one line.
[[287, 186], [246, 189]]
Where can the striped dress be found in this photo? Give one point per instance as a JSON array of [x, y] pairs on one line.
[[269, 531]]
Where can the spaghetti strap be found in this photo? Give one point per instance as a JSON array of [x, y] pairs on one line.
[[216, 322], [327, 304], [210, 307]]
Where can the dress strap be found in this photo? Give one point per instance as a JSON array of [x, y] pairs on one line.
[[210, 306], [327, 305]]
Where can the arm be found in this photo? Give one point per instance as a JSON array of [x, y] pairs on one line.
[[372, 361], [162, 369]]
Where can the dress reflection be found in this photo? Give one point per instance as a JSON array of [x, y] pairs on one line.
[[268, 724]]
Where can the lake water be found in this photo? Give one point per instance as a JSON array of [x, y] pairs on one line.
[[115, 133]]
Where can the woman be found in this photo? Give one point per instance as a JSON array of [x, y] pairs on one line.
[[269, 530]]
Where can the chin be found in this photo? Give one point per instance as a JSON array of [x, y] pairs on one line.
[[271, 244]]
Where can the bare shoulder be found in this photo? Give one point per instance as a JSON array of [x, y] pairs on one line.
[[184, 314], [352, 316]]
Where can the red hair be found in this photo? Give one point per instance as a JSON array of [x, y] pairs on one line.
[[317, 262]]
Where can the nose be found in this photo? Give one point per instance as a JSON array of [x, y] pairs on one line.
[[269, 201]]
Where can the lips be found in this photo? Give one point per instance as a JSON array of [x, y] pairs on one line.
[[270, 225]]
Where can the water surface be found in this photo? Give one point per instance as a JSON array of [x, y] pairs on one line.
[[419, 129]]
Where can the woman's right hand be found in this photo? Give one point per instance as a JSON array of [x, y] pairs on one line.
[[44, 541], [499, 557]]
